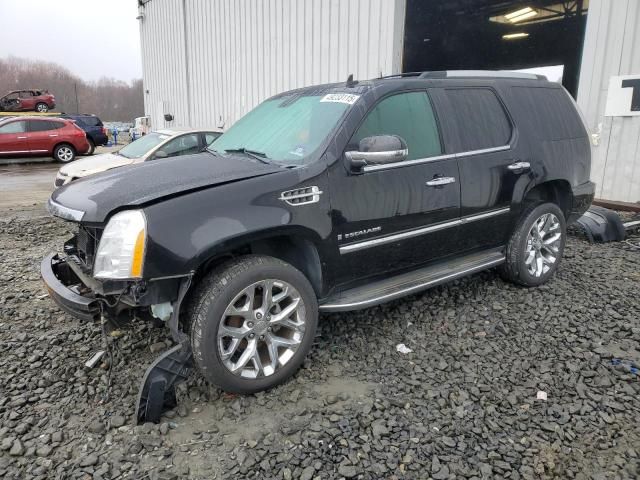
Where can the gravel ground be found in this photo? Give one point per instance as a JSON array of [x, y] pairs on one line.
[[464, 403]]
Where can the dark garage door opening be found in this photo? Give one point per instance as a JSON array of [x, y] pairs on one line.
[[495, 35]]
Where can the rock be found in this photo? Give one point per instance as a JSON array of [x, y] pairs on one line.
[[89, 460], [347, 471], [117, 421], [17, 449], [157, 347], [7, 443], [96, 426], [307, 473], [44, 451]]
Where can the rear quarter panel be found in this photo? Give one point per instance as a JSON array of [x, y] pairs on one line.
[[557, 141]]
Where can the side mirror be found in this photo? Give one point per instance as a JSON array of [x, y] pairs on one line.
[[160, 154], [377, 150]]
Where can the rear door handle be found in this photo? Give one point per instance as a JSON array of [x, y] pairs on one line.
[[439, 181], [519, 166], [21, 138], [53, 135]]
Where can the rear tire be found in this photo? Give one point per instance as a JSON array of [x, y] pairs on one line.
[[92, 147], [536, 246], [64, 153], [42, 107], [252, 320]]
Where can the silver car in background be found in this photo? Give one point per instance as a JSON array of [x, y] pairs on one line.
[[168, 142]]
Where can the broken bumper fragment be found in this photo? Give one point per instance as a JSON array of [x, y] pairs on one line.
[[66, 288]]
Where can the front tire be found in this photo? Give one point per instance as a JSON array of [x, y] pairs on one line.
[[536, 246], [64, 153], [253, 320], [42, 107]]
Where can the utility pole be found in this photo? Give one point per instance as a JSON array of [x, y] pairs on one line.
[[75, 87]]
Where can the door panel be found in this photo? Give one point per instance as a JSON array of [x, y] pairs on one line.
[[487, 147], [13, 138], [42, 135], [389, 219], [27, 101], [393, 211]]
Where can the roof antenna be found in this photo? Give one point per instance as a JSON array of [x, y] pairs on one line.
[[350, 81]]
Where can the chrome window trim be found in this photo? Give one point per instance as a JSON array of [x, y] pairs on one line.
[[419, 161], [354, 247], [61, 211]]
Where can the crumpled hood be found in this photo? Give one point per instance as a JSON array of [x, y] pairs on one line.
[[100, 194], [95, 164]]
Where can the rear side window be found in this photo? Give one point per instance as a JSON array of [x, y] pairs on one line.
[[481, 119], [43, 125], [90, 121], [550, 113], [408, 115], [14, 127]]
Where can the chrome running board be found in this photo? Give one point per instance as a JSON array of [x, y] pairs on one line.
[[391, 288]]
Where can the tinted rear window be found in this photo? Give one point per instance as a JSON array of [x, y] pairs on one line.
[[481, 119], [90, 121], [550, 113], [40, 125]]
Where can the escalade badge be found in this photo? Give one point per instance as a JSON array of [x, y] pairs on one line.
[[359, 233]]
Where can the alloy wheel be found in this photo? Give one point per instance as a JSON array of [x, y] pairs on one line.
[[543, 244], [261, 329], [42, 108], [65, 154]]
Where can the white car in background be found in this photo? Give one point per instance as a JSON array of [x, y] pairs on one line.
[[169, 142]]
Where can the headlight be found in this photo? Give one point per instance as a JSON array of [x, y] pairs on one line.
[[122, 245]]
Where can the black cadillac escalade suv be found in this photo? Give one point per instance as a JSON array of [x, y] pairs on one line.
[[327, 198]]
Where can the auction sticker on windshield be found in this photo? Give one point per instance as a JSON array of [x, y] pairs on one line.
[[347, 98]]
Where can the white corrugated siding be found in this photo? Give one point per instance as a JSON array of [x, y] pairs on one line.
[[211, 61], [612, 47]]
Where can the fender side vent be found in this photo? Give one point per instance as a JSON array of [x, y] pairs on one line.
[[301, 196]]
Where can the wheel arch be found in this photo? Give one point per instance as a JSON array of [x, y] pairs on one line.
[[299, 248], [556, 191]]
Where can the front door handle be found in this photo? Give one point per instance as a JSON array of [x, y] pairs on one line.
[[439, 181], [519, 166], [21, 138], [53, 135]]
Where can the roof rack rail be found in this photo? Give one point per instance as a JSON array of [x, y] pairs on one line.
[[402, 75], [468, 73], [481, 73]]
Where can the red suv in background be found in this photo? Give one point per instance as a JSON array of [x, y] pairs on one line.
[[37, 136], [27, 101]]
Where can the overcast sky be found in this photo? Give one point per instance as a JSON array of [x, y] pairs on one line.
[[92, 38]]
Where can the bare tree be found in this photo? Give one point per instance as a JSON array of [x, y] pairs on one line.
[[110, 99]]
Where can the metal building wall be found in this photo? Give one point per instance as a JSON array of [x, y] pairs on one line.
[[612, 47], [208, 62]]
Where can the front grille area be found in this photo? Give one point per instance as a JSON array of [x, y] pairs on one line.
[[84, 246], [59, 181]]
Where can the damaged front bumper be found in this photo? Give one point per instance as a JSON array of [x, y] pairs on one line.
[[67, 289]]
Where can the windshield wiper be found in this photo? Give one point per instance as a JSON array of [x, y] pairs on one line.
[[260, 156]]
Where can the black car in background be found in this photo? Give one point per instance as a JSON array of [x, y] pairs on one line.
[[92, 125], [326, 198]]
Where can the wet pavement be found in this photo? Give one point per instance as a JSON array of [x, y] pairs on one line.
[[27, 184]]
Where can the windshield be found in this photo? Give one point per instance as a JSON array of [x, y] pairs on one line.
[[141, 146], [286, 130]]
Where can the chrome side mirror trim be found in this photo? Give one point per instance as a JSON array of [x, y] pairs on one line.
[[377, 158]]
